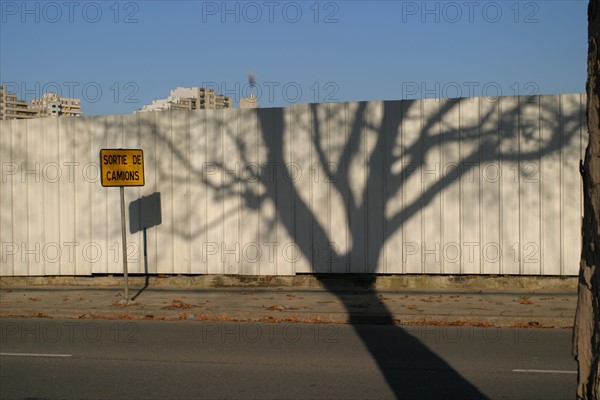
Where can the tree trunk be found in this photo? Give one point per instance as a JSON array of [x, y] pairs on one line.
[[586, 333]]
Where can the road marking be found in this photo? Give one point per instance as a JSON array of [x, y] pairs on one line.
[[544, 371], [34, 355]]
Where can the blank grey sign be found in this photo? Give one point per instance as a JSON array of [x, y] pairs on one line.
[[144, 213]]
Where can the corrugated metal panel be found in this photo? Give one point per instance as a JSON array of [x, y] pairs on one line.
[[7, 242], [471, 186]]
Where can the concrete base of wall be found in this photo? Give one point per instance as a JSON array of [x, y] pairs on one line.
[[307, 281]]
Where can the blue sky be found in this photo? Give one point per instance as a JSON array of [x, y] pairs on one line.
[[118, 56]]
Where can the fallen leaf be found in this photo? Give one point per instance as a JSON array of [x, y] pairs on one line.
[[180, 304]]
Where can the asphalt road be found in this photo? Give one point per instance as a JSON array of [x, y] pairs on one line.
[[104, 359]]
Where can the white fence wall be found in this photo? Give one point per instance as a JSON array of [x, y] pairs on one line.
[[470, 186]]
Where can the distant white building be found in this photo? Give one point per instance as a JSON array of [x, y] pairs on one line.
[[53, 105], [13, 108], [249, 102], [189, 99], [49, 105]]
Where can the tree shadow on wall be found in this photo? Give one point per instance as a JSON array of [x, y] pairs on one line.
[[371, 218]]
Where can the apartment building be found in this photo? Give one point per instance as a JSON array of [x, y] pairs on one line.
[[53, 105], [12, 108], [195, 98]]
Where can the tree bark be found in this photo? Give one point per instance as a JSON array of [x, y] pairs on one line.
[[586, 333]]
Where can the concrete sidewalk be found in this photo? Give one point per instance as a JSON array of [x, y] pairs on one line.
[[548, 308]]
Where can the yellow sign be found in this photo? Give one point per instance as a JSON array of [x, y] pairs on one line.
[[122, 167]]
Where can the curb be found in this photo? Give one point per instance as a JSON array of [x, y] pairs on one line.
[[472, 282], [538, 322]]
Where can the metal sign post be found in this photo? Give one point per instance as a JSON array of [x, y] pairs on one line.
[[120, 168], [124, 240]]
